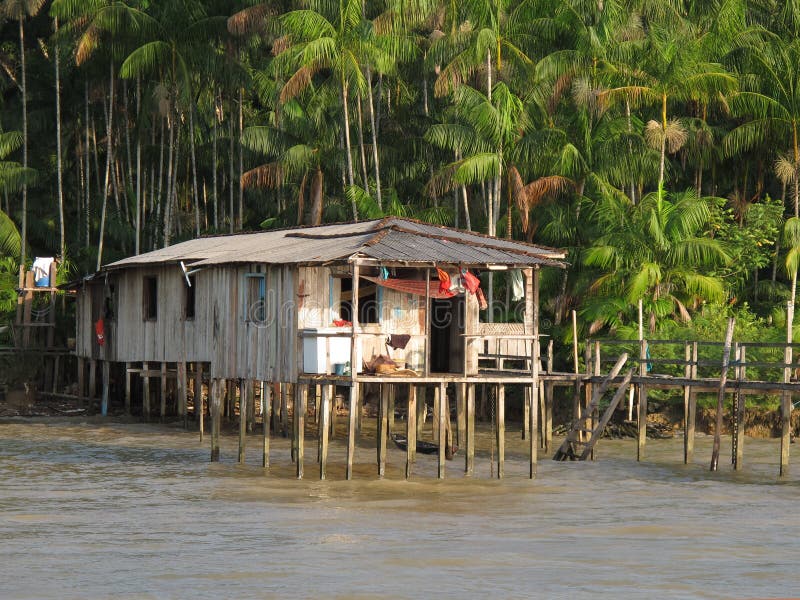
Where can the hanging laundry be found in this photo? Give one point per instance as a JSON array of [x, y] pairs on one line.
[[456, 284], [41, 270], [100, 331], [481, 299], [398, 341], [444, 281], [471, 282], [517, 285], [384, 273]]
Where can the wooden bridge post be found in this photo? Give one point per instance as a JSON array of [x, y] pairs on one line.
[[741, 397], [691, 413], [411, 429], [501, 429], [642, 413], [266, 414], [106, 388], [533, 303], [597, 371], [548, 401], [469, 451], [723, 379], [436, 413], [786, 412], [300, 399], [461, 421], [146, 391], [163, 382]]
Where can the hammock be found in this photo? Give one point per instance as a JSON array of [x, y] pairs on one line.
[[411, 286]]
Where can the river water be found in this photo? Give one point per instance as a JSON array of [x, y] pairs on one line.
[[98, 509]]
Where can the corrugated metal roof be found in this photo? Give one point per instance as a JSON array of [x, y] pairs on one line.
[[392, 238]]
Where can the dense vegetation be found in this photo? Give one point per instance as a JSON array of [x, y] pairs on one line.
[[657, 140]]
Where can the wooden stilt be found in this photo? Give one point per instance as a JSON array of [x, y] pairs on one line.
[[548, 423], [332, 420], [738, 454], [422, 409], [323, 458], [243, 400], [92, 384], [351, 430], [411, 429], [183, 400], [383, 429], [127, 388], [786, 414], [469, 466], [691, 413], [437, 413], [284, 410], [276, 407], [56, 373], [641, 419], [266, 403], [448, 448], [542, 417], [216, 401], [687, 390], [526, 413], [439, 400], [82, 380], [390, 413], [532, 309], [461, 419], [199, 409], [300, 395], [251, 405], [146, 391], [163, 411], [317, 398], [501, 430], [723, 378], [106, 384]]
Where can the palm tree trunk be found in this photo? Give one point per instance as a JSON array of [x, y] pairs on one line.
[[24, 241], [374, 130], [194, 172], [630, 147], [301, 199], [158, 199], [59, 168], [110, 124], [316, 198], [231, 218], [241, 159], [168, 198], [87, 204], [663, 146], [127, 128], [214, 163], [362, 152], [137, 241], [350, 178]]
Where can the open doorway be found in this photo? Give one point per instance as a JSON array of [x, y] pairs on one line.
[[446, 341]]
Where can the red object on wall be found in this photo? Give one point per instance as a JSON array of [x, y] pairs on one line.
[[100, 331]]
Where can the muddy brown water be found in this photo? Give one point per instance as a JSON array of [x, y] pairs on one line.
[[94, 509]]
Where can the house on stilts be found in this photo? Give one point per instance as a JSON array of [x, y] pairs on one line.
[[390, 305]]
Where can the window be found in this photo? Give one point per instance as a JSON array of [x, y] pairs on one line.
[[110, 303], [189, 298], [369, 310], [150, 299], [255, 298]]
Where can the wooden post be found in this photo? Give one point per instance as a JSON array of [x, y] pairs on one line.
[[526, 413], [427, 322], [390, 414], [92, 384], [333, 413], [82, 380], [324, 431], [56, 372], [317, 398], [641, 418], [411, 429], [183, 400], [461, 405], [266, 409], [243, 400], [351, 430], [687, 390], [383, 415], [127, 388], [548, 401], [146, 391], [422, 410], [216, 399], [285, 409], [723, 379], [163, 412], [688, 441], [469, 467], [106, 384], [441, 397], [436, 413], [740, 408], [501, 429], [534, 427], [199, 409], [276, 406], [300, 398], [786, 411]]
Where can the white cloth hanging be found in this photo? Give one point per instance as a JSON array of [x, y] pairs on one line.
[[517, 285], [41, 270]]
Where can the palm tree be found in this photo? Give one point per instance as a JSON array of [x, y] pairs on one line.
[[657, 251], [19, 10]]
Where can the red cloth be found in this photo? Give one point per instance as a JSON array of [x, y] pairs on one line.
[[471, 282], [481, 299], [444, 281], [411, 286], [99, 331], [342, 323]]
